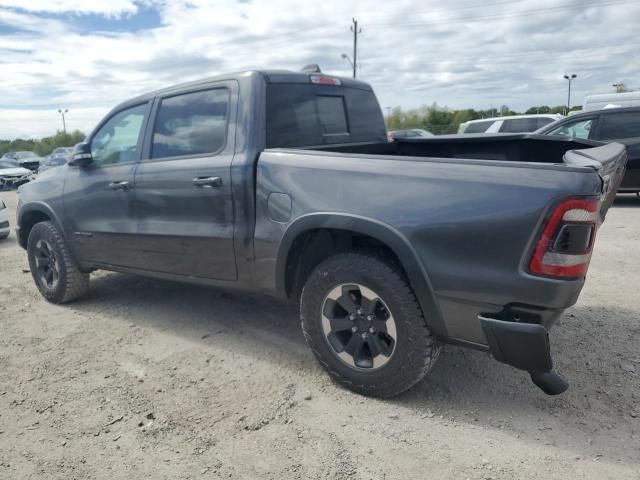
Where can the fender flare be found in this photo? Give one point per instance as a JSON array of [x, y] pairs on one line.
[[409, 259], [39, 207]]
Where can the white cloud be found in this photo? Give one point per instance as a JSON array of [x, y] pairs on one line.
[[413, 52], [103, 7]]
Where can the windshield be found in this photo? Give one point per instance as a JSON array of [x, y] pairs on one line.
[[23, 155]]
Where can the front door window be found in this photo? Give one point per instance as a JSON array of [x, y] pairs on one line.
[[117, 140]]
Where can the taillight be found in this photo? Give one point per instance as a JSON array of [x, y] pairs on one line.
[[564, 248], [324, 80]]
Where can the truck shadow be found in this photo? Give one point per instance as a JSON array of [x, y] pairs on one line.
[[627, 200], [595, 348]]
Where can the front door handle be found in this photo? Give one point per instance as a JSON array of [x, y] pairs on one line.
[[119, 186], [207, 182]]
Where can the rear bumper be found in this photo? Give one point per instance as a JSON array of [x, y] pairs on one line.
[[521, 345]]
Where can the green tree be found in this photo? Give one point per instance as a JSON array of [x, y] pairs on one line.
[[621, 87], [43, 146]]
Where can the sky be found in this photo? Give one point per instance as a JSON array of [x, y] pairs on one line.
[[88, 55]]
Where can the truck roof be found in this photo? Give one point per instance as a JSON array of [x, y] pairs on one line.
[[270, 75]]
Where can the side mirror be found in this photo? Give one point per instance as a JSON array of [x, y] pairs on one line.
[[81, 155]]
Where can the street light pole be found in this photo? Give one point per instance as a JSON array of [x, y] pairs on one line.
[[64, 123], [569, 78], [348, 59]]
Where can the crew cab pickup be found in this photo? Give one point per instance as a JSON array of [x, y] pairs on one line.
[[284, 182]]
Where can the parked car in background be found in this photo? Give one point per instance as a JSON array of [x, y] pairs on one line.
[[12, 175], [410, 133], [27, 159], [52, 162], [62, 151], [611, 100], [58, 157], [621, 125], [4, 221], [511, 124], [310, 202]]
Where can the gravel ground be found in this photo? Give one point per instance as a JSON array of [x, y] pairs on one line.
[[151, 379]]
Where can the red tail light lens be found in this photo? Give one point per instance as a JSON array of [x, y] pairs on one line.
[[564, 248], [325, 80]]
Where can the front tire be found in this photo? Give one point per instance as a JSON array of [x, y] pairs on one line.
[[54, 271], [364, 324]]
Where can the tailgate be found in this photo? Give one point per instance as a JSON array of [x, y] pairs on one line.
[[610, 161]]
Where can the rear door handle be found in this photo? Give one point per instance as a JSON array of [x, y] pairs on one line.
[[207, 182], [119, 186]]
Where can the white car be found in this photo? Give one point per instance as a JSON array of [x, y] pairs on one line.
[[4, 221], [11, 175], [510, 124]]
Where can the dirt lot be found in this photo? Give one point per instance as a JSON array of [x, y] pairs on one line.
[[152, 379]]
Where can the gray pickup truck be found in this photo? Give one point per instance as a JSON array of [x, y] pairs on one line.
[[284, 182]]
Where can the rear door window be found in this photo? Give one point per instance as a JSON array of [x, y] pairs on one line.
[[519, 125], [191, 124], [619, 125], [478, 127]]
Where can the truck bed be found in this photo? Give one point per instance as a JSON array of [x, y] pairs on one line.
[[529, 148], [466, 217]]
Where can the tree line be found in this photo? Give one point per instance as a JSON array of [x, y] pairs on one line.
[[43, 146], [441, 120]]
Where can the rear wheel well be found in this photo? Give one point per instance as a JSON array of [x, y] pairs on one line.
[[312, 247], [27, 223]]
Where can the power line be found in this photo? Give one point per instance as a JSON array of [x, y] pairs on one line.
[[446, 10], [326, 32], [524, 13]]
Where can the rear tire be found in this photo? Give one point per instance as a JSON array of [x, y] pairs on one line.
[[54, 271], [364, 324], [4, 235]]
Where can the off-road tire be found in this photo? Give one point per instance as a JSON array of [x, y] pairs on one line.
[[416, 350], [72, 283]]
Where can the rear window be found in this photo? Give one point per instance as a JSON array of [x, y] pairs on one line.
[[478, 127], [307, 115], [619, 125]]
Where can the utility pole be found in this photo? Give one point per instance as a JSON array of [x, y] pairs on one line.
[[356, 31]]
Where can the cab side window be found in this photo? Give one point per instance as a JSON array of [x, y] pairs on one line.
[[478, 127], [117, 140], [519, 125], [577, 129], [191, 124], [619, 125]]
